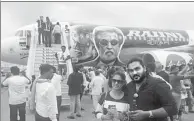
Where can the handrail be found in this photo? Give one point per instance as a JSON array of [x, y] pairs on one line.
[[31, 55], [65, 42]]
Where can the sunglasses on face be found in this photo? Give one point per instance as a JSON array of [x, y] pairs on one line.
[[118, 81], [105, 42]]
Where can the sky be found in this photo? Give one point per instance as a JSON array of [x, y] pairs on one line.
[[162, 15]]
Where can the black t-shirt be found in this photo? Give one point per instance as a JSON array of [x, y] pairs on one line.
[[153, 94], [75, 82], [192, 81], [164, 75]]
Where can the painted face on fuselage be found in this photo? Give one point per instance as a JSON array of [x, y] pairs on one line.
[[109, 46]]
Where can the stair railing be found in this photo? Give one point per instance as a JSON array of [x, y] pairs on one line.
[[64, 41], [32, 53]]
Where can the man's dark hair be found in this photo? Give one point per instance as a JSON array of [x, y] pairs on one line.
[[151, 67], [181, 67], [57, 23], [48, 19], [33, 77], [15, 70], [75, 68], [136, 59], [90, 69], [44, 68], [174, 69], [97, 73], [63, 46], [54, 69], [167, 68]]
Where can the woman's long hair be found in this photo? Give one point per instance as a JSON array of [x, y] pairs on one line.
[[48, 20]]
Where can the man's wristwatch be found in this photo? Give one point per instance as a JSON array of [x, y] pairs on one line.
[[151, 114]]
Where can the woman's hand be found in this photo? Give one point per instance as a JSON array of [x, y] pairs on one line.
[[122, 116], [108, 116], [113, 113]]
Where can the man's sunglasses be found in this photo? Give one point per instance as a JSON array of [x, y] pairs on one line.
[[105, 42], [118, 81]]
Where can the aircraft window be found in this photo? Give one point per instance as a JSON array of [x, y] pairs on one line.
[[19, 33]]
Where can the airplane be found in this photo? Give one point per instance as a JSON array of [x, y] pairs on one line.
[[152, 42]]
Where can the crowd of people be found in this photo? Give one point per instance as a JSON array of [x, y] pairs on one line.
[[138, 91], [135, 92], [49, 33]]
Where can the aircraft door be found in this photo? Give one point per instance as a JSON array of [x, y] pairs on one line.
[[22, 38], [28, 36]]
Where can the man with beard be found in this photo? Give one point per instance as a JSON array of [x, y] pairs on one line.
[[109, 41], [149, 97]]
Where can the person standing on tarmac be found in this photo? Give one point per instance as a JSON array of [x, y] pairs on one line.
[[44, 93], [96, 86], [17, 93], [56, 81], [150, 97], [75, 81]]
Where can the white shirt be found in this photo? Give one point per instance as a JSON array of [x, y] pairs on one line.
[[56, 81], [46, 103], [103, 76], [96, 85], [92, 74], [106, 86], [62, 56], [17, 89], [57, 29], [85, 83]]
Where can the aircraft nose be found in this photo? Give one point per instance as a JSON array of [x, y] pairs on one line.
[[6, 48], [5, 44]]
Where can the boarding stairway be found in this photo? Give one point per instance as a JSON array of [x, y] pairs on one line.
[[39, 54], [46, 55]]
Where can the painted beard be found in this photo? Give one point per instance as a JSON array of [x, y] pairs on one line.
[[137, 78]]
